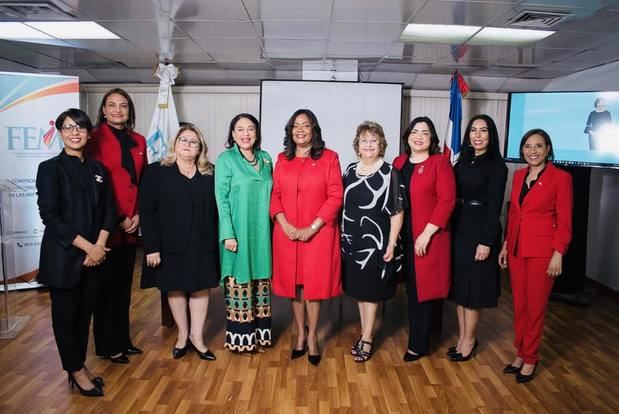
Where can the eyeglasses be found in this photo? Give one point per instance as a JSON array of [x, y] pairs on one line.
[[189, 142], [70, 128]]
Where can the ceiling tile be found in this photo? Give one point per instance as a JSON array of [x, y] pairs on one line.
[[249, 46], [293, 10], [375, 11], [361, 49], [156, 45], [212, 29], [115, 9], [279, 29], [143, 29], [603, 22], [228, 10], [302, 49], [371, 32], [460, 12]]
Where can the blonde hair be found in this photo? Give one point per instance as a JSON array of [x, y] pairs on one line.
[[204, 165], [372, 128]]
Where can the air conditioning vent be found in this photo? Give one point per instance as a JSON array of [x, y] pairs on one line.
[[539, 19], [41, 10]]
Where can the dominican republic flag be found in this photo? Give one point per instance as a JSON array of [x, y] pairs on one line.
[[458, 89], [164, 125]]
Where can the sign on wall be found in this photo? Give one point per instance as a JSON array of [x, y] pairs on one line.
[[29, 105]]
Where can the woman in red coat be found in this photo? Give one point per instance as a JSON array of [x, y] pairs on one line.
[[305, 204], [431, 190], [539, 230], [122, 151]]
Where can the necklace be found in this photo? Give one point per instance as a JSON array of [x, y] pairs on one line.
[[370, 169], [253, 162]]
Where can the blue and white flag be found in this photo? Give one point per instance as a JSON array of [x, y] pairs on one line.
[[164, 125], [458, 88]]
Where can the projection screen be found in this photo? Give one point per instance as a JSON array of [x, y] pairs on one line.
[[339, 106]]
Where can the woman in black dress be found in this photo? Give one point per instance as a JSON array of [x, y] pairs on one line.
[[179, 226], [480, 178], [596, 121], [371, 222]]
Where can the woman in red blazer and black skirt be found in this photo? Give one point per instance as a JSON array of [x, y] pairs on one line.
[[431, 191], [539, 230], [122, 151]]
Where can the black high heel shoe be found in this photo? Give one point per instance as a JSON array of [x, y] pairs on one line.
[[93, 392], [410, 357], [510, 369], [206, 355], [121, 359], [181, 352], [522, 378], [314, 359], [354, 349], [458, 357], [133, 350], [452, 351], [298, 353]]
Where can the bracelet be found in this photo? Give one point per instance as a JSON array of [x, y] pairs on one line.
[[314, 227]]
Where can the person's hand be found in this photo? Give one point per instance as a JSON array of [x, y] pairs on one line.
[[126, 223], [153, 259], [388, 256], [555, 267], [306, 233], [135, 222], [481, 253], [95, 255], [421, 244], [230, 245], [503, 257], [290, 231]]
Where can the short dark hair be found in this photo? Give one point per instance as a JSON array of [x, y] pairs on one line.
[[230, 141], [318, 144], [434, 142], [597, 101], [130, 124], [467, 152], [543, 134], [78, 116]]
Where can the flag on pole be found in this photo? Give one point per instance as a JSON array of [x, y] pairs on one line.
[[165, 121], [458, 89]]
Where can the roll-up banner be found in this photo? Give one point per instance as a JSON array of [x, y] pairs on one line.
[[29, 105]]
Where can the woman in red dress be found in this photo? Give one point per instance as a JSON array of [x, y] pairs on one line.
[[305, 204]]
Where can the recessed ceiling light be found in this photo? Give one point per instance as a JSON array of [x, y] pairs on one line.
[[437, 33], [19, 31], [473, 35], [73, 30]]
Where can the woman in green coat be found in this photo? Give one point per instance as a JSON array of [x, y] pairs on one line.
[[243, 189]]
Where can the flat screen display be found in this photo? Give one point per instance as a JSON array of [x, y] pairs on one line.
[[583, 126]]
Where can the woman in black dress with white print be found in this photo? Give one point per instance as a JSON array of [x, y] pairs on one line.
[[371, 222]]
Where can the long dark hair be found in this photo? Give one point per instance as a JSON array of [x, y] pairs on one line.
[[130, 124], [547, 140], [467, 153], [318, 145], [434, 142], [230, 141]]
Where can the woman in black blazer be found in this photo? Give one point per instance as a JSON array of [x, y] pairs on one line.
[[78, 212], [179, 224]]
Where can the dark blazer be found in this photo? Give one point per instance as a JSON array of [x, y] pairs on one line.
[[165, 212], [543, 223], [70, 203], [432, 198]]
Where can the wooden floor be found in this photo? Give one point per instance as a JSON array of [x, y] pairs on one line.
[[579, 371]]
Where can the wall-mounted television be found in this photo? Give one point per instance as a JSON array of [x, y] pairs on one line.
[[583, 126]]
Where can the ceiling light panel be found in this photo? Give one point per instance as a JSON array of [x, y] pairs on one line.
[[73, 30], [500, 36], [19, 31], [437, 33]]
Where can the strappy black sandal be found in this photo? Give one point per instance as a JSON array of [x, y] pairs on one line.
[[354, 349], [362, 354]]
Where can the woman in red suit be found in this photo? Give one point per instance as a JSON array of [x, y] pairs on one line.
[[305, 204], [539, 230], [122, 151], [426, 241]]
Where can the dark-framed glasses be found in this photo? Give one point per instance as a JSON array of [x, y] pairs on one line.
[[192, 143], [72, 127]]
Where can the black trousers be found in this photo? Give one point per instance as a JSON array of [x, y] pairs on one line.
[[72, 310], [419, 314], [111, 317]]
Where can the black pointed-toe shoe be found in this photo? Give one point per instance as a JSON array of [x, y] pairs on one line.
[[410, 357], [510, 369], [181, 352], [206, 355], [522, 378], [121, 359], [133, 350], [93, 392]]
